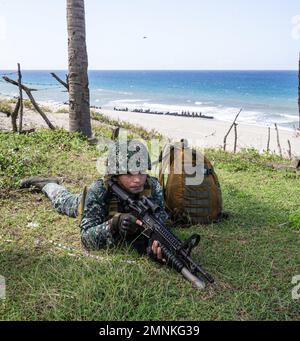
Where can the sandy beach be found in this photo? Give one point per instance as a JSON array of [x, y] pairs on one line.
[[207, 133], [200, 132]]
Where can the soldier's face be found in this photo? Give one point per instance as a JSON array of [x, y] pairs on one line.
[[133, 183]]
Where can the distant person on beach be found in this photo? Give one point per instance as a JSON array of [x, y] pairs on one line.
[[104, 220]]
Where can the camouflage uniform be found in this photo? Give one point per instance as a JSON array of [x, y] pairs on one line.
[[94, 227]]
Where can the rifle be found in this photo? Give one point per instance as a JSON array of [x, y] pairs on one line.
[[176, 252]]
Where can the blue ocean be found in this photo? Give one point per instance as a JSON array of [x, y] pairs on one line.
[[267, 97]]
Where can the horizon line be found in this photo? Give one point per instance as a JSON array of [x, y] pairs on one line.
[[156, 69]]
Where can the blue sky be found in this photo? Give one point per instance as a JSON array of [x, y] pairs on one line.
[[182, 34]]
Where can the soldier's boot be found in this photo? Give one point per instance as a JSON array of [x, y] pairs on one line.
[[37, 182]]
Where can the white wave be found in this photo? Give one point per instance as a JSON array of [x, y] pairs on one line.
[[124, 93], [114, 92], [294, 117], [127, 101], [220, 113], [209, 103]]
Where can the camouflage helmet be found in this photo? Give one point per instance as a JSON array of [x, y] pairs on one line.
[[127, 156]]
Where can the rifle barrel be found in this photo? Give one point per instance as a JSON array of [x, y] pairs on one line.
[[196, 282]]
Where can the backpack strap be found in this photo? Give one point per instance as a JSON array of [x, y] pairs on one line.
[[163, 161]]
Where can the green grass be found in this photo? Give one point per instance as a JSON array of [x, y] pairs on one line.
[[62, 111], [7, 106], [29, 105], [137, 130], [253, 255]]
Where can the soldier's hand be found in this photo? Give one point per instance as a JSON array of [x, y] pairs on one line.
[[126, 224], [156, 250]]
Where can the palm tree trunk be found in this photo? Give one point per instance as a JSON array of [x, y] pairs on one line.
[[79, 96]]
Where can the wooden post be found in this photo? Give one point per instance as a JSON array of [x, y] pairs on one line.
[[27, 131], [34, 103], [278, 140], [14, 116], [290, 150], [65, 84], [115, 133], [235, 137], [39, 110], [269, 138], [225, 138], [20, 97]]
